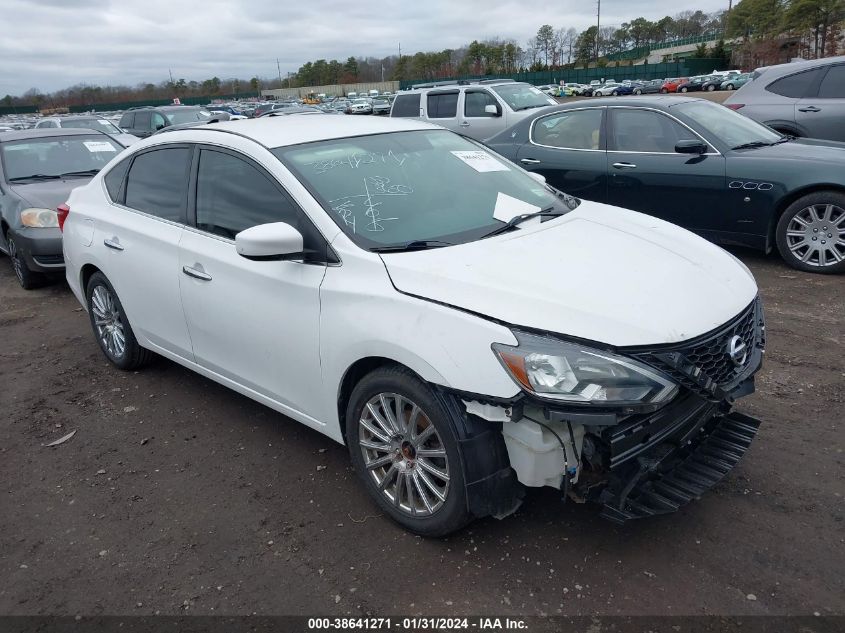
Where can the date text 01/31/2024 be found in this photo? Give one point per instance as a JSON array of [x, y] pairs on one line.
[[416, 624]]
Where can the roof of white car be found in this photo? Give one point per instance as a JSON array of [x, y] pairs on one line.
[[292, 130]]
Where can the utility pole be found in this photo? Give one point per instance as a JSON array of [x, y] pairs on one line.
[[171, 75], [400, 51], [279, 68], [598, 28]]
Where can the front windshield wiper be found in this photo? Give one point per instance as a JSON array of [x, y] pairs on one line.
[[785, 139], [414, 245], [84, 172], [519, 219], [35, 177], [752, 144], [528, 107]]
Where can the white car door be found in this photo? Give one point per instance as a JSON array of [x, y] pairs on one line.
[[139, 240], [476, 121], [255, 323]]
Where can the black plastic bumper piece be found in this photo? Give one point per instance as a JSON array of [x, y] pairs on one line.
[[652, 491]]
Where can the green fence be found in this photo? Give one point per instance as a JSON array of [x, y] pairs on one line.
[[683, 68], [643, 51], [25, 109]]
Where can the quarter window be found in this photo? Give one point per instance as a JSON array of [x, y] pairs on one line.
[[114, 179], [795, 86], [406, 106], [833, 84], [475, 101], [158, 183], [572, 129], [442, 105], [647, 131]]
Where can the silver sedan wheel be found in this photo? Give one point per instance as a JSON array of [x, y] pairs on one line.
[[816, 235], [107, 321], [404, 454]]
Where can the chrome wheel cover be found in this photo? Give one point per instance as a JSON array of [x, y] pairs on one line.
[[107, 321], [404, 454], [816, 235]]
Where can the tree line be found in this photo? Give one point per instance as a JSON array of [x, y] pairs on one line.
[[756, 23]]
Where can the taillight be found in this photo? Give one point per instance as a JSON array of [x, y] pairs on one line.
[[62, 211], [735, 106]]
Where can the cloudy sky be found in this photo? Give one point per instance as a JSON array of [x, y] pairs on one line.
[[51, 44]]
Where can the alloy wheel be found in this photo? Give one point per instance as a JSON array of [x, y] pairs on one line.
[[816, 235], [17, 264], [404, 454], [107, 321]]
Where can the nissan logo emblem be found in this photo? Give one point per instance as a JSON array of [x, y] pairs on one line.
[[737, 350]]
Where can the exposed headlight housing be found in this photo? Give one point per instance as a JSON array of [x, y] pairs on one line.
[[578, 374], [40, 218]]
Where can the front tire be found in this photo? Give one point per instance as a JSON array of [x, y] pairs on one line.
[[683, 90], [811, 233], [404, 446], [730, 86], [111, 327], [28, 279], [638, 92], [711, 88], [664, 91]]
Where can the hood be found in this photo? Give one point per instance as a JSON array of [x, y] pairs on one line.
[[48, 194], [802, 150], [599, 273]]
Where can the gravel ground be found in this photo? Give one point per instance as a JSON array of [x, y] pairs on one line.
[[178, 496]]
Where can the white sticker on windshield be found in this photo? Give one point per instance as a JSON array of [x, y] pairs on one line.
[[99, 146], [104, 122], [508, 207], [481, 161]]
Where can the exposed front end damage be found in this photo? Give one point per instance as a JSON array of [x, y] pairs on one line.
[[638, 464]]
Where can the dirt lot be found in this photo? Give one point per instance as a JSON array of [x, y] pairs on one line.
[[179, 496]]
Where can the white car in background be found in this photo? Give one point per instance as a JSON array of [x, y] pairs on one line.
[[445, 314], [100, 124]]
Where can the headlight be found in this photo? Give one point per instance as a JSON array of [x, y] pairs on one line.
[[40, 218], [575, 373]]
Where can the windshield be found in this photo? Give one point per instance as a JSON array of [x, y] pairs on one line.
[[56, 156], [101, 125], [724, 124], [187, 116], [392, 189], [523, 96]]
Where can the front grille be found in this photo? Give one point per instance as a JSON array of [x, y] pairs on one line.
[[704, 365]]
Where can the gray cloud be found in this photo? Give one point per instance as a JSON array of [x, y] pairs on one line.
[[50, 44]]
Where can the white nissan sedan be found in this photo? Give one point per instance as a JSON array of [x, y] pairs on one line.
[[465, 329]]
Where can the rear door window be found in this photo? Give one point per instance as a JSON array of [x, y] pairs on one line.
[[406, 106], [158, 183], [833, 84], [795, 86], [569, 129], [142, 120], [442, 105]]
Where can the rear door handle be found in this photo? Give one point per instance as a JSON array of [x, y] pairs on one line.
[[113, 243], [196, 274], [810, 109], [529, 161], [624, 165], [465, 124]]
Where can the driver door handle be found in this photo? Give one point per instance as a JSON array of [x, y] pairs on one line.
[[810, 109], [529, 161], [113, 243], [196, 274], [624, 165]]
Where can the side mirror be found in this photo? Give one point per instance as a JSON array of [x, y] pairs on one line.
[[160, 126], [538, 177], [495, 110], [277, 240], [691, 146]]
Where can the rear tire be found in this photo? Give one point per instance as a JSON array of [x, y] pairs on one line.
[[683, 90], [711, 88], [111, 326], [392, 418], [811, 233], [730, 86], [28, 279], [664, 91]]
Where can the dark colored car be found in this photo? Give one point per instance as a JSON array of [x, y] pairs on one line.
[[694, 84], [264, 108], [143, 122], [303, 109], [38, 170], [697, 164], [713, 83], [647, 87]]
